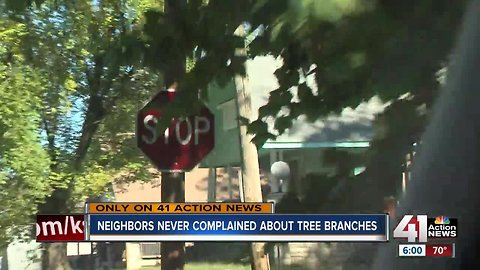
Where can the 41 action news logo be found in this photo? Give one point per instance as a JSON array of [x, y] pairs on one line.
[[420, 228]]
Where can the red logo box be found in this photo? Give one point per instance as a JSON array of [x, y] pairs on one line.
[[60, 228]]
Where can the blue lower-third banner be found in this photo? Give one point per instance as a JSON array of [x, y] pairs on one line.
[[237, 227]]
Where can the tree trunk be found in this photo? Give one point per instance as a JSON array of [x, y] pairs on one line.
[[4, 256], [173, 255], [55, 256], [252, 188], [59, 201]]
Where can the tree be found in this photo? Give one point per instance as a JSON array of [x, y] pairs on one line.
[[80, 53], [24, 163], [357, 46]]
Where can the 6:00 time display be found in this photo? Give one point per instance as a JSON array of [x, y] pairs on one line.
[[411, 250]]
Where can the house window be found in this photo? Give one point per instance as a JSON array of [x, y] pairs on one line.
[[78, 248], [150, 250]]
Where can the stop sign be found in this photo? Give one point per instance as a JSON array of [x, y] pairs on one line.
[[183, 144]]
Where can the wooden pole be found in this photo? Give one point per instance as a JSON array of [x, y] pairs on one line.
[[252, 190], [173, 184]]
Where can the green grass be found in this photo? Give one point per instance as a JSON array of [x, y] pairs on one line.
[[216, 266], [206, 266]]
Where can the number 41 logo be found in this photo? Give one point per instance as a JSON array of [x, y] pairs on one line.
[[414, 228]]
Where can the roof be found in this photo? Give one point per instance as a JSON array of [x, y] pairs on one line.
[[352, 125]]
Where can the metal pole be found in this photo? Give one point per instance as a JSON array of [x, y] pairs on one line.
[[240, 185], [229, 182], [212, 185]]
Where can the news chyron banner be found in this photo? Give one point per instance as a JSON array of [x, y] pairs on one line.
[[163, 222]]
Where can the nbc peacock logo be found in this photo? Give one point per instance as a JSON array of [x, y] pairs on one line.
[[442, 220]]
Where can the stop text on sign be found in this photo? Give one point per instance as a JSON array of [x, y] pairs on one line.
[[200, 125], [186, 141]]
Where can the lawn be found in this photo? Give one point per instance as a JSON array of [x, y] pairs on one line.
[[207, 266], [216, 266]]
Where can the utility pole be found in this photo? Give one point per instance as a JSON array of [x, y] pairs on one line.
[[251, 185], [173, 184]]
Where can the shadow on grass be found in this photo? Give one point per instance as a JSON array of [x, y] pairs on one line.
[[218, 252], [216, 266]]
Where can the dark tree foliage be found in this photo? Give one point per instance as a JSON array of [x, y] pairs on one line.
[[355, 51]]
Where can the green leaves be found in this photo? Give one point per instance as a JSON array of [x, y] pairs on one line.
[[261, 138], [24, 163], [21, 5], [283, 123], [358, 49], [304, 93], [279, 98], [268, 110], [257, 126], [53, 64]]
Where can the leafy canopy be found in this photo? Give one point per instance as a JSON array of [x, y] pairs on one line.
[[24, 163], [104, 58], [66, 78], [355, 49]]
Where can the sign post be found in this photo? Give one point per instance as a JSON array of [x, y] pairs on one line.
[[178, 148], [174, 150]]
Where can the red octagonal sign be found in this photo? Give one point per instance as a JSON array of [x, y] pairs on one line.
[[183, 144]]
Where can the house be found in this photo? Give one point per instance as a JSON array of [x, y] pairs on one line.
[[304, 143], [303, 147]]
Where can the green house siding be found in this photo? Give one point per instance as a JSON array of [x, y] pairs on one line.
[[222, 103]]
